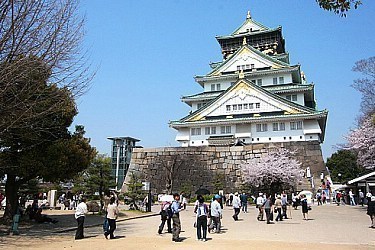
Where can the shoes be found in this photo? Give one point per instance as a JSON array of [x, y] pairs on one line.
[[159, 232], [204, 240], [106, 236], [177, 240]]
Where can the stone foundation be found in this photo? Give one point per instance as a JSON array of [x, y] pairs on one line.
[[201, 167]]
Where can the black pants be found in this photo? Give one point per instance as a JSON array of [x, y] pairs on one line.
[[279, 216], [112, 228], [236, 213], [268, 214], [163, 220], [284, 207], [79, 232], [202, 226]]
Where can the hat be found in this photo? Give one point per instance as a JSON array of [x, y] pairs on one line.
[[260, 194], [236, 193], [373, 198], [278, 196], [217, 196]]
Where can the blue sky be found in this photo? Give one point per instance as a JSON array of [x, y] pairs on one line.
[[147, 53]]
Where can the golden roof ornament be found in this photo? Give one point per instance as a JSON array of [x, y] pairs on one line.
[[248, 16], [244, 41]]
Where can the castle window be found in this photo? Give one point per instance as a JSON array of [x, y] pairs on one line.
[[294, 98], [222, 130], [218, 87], [275, 126], [213, 130], [259, 82], [239, 106], [207, 130], [257, 105], [282, 126], [234, 106], [252, 66], [275, 80], [238, 67], [296, 125], [245, 106], [228, 129], [281, 79], [251, 105], [212, 87], [228, 107], [261, 127], [195, 131]]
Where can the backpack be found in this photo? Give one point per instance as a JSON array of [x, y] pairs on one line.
[[169, 211]]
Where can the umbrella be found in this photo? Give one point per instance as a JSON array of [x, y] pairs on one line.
[[202, 191], [166, 197]]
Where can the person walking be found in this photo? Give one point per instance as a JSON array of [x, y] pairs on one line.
[[361, 198], [319, 198], [305, 208], [165, 217], [278, 207], [112, 214], [201, 211], [236, 203], [216, 214], [176, 209], [267, 205], [259, 205], [351, 197], [284, 204], [371, 211], [338, 198], [243, 198], [79, 215]]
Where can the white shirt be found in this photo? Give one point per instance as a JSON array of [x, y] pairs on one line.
[[260, 200], [81, 210], [112, 211], [215, 209], [236, 202]]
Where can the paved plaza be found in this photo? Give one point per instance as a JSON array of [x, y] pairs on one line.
[[329, 227]]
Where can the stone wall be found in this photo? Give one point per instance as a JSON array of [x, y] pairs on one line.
[[200, 167]]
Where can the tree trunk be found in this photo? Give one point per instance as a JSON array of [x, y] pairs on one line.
[[11, 193]]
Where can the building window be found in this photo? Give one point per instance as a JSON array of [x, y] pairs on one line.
[[257, 105], [245, 106], [207, 130], [252, 66], [275, 80], [199, 105], [281, 79], [218, 87], [222, 130], [228, 129], [238, 67], [296, 125], [251, 105], [234, 106], [213, 130], [253, 81], [288, 97], [196, 131], [212, 87], [259, 82], [282, 126], [239, 106], [275, 126], [294, 98], [228, 107], [261, 127]]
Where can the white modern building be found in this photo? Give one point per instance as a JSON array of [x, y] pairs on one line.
[[254, 95]]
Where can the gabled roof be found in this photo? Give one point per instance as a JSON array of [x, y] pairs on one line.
[[249, 25], [361, 178], [290, 107], [252, 53]]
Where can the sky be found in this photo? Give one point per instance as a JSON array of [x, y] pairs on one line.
[[146, 54]]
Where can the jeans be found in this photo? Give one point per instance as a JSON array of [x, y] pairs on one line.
[[244, 207], [352, 201], [284, 208], [268, 215], [279, 216], [236, 213], [163, 220], [176, 226], [215, 223], [260, 215], [112, 228], [202, 226], [79, 232]]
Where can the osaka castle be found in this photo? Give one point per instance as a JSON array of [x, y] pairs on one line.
[[254, 95]]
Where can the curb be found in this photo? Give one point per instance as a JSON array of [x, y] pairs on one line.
[[100, 224]]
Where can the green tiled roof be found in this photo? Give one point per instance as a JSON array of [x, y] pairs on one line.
[[289, 88], [247, 34], [204, 95]]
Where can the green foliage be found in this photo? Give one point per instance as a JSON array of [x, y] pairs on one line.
[[98, 175], [343, 162], [339, 6], [219, 182], [135, 192]]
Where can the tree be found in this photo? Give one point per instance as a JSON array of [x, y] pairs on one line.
[[42, 71], [366, 85], [340, 7], [98, 177], [343, 166], [362, 140], [274, 172], [135, 192]]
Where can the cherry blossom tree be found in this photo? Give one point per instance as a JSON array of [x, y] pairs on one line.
[[362, 140], [274, 172]]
